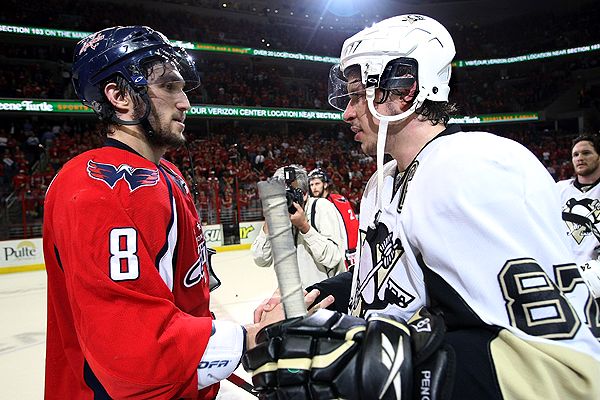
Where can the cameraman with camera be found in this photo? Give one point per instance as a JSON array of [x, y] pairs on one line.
[[317, 227]]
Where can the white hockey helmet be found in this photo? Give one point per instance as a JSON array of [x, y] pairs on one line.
[[387, 49], [394, 54]]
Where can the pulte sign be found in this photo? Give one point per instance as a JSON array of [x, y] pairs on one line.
[[21, 255]]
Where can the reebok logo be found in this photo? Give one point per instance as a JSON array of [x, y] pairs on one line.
[[393, 362]]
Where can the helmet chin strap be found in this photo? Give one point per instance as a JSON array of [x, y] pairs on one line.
[[384, 120], [143, 121]]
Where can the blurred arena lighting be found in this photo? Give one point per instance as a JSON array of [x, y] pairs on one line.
[[343, 8]]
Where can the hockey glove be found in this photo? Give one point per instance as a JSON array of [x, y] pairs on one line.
[[330, 355]]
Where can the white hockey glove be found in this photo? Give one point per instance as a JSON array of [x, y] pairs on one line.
[[223, 352]]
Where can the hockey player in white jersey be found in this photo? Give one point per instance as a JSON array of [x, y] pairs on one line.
[[466, 287], [580, 198]]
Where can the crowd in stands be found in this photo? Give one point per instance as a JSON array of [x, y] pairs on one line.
[[229, 159], [41, 70], [514, 88], [252, 84]]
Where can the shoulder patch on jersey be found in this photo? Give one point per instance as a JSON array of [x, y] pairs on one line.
[[581, 218], [110, 174], [178, 179], [401, 182]]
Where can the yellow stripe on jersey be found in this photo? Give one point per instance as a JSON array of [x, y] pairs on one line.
[[534, 370]]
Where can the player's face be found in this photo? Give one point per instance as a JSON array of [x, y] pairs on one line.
[[357, 114], [317, 187], [169, 105], [359, 117], [586, 160]]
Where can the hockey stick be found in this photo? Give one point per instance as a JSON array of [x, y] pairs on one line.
[[274, 203], [241, 383]]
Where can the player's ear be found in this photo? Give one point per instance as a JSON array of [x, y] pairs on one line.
[[412, 92], [118, 98]]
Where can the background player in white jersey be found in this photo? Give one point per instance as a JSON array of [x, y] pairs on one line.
[[580, 198], [318, 231], [127, 263], [466, 287]]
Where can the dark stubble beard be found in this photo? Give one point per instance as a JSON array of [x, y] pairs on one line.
[[161, 135]]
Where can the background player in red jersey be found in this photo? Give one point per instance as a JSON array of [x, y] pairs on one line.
[[320, 187], [127, 263]]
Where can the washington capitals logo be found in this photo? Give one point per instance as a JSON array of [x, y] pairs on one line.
[[135, 177], [91, 43]]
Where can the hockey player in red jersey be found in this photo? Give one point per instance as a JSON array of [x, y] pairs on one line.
[[319, 187], [127, 263]]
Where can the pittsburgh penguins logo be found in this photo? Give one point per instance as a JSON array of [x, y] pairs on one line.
[[377, 289], [581, 218]]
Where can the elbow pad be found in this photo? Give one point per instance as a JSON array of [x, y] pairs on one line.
[[222, 355]]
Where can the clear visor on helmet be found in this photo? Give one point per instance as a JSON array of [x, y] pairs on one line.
[[399, 74], [184, 64], [337, 89]]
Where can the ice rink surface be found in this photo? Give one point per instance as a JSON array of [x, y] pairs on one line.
[[23, 321]]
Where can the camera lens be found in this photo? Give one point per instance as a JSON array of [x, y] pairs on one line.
[[294, 195]]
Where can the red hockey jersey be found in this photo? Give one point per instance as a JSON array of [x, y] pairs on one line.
[[351, 223], [128, 295]]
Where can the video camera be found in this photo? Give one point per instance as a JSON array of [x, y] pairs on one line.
[[292, 194]]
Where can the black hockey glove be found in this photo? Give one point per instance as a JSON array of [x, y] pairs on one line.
[[329, 355]]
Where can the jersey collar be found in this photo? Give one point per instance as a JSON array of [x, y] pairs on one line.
[[450, 129], [110, 142], [584, 187], [399, 175]]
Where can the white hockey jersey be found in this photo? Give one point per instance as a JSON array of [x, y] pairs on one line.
[[473, 228], [581, 215]]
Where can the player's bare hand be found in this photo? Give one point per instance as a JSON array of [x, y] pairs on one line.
[[271, 310], [266, 306], [312, 296]]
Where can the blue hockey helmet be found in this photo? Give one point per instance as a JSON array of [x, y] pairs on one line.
[[123, 51]]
